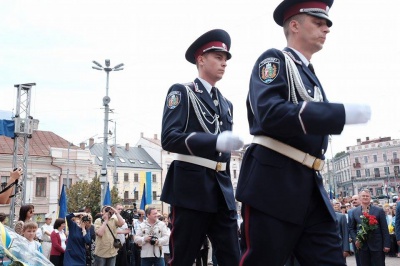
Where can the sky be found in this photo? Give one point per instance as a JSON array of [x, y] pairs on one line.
[[53, 44]]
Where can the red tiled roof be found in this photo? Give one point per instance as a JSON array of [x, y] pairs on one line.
[[39, 144]]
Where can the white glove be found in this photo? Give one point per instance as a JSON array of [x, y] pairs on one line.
[[227, 142], [357, 113]]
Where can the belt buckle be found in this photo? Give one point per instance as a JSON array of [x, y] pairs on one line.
[[318, 164], [218, 167]]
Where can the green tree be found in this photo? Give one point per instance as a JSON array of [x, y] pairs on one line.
[[85, 194]]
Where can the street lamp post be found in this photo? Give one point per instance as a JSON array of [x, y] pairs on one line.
[[106, 101]]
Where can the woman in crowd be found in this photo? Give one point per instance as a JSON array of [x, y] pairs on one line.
[[58, 246], [91, 246], [79, 235], [25, 214]]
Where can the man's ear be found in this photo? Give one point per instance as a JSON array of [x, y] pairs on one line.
[[294, 25]]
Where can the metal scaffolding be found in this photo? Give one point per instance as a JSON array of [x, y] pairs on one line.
[[23, 132]]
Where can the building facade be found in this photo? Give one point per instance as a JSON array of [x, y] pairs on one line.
[[372, 164]]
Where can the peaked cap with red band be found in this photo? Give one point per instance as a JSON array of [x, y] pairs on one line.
[[289, 8], [213, 40]]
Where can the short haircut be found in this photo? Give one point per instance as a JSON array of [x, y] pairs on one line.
[[299, 18], [149, 209], [58, 223], [366, 190], [29, 225]]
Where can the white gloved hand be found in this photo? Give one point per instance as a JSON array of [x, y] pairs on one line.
[[227, 142], [357, 113]]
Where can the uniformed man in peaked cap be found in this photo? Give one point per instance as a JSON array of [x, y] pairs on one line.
[[196, 126], [290, 118]]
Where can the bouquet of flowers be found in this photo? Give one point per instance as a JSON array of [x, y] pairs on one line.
[[368, 224]]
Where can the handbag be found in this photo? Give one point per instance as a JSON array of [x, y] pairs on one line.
[[117, 243]]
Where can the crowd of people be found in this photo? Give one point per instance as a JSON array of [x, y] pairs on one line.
[[291, 119]]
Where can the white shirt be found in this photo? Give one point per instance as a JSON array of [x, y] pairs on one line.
[[121, 237], [46, 228], [63, 238]]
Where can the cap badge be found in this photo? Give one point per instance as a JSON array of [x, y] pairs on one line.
[[269, 69], [173, 99], [224, 46]]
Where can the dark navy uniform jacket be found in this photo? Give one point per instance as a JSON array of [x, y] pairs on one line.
[[267, 178], [189, 185]]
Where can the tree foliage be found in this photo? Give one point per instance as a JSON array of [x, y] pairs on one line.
[[85, 194]]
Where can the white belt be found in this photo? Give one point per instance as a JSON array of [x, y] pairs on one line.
[[217, 166], [293, 153]]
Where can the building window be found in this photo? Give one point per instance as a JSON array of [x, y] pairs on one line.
[[126, 195], [394, 155], [386, 168], [356, 159], [358, 173], [376, 172], [136, 178], [365, 159], [154, 194], [136, 195], [384, 156], [154, 178], [367, 173], [41, 186], [375, 158], [396, 171], [126, 177]]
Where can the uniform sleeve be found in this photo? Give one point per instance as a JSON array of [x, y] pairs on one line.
[[397, 222], [174, 136], [275, 113]]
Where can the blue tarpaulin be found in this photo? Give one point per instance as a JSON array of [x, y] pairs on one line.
[[7, 128]]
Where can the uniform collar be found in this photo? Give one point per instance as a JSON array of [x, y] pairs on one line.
[[301, 56], [206, 85]]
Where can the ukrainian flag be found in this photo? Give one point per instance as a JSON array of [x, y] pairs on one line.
[[5, 237], [146, 178]]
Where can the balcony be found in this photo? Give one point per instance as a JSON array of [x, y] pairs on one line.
[[395, 161], [357, 165]]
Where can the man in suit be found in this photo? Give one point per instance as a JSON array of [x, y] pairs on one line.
[[291, 118], [373, 251], [343, 232], [397, 223], [355, 202], [196, 125]]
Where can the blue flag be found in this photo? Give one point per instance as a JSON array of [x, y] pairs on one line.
[[107, 196], [7, 128], [62, 203], [143, 202]]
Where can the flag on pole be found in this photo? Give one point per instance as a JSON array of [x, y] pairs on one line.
[[134, 190], [107, 196], [62, 204], [143, 202]]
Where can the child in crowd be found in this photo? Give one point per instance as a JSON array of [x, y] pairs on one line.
[[29, 232]]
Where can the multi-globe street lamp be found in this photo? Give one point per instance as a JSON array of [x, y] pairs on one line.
[[106, 101]]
